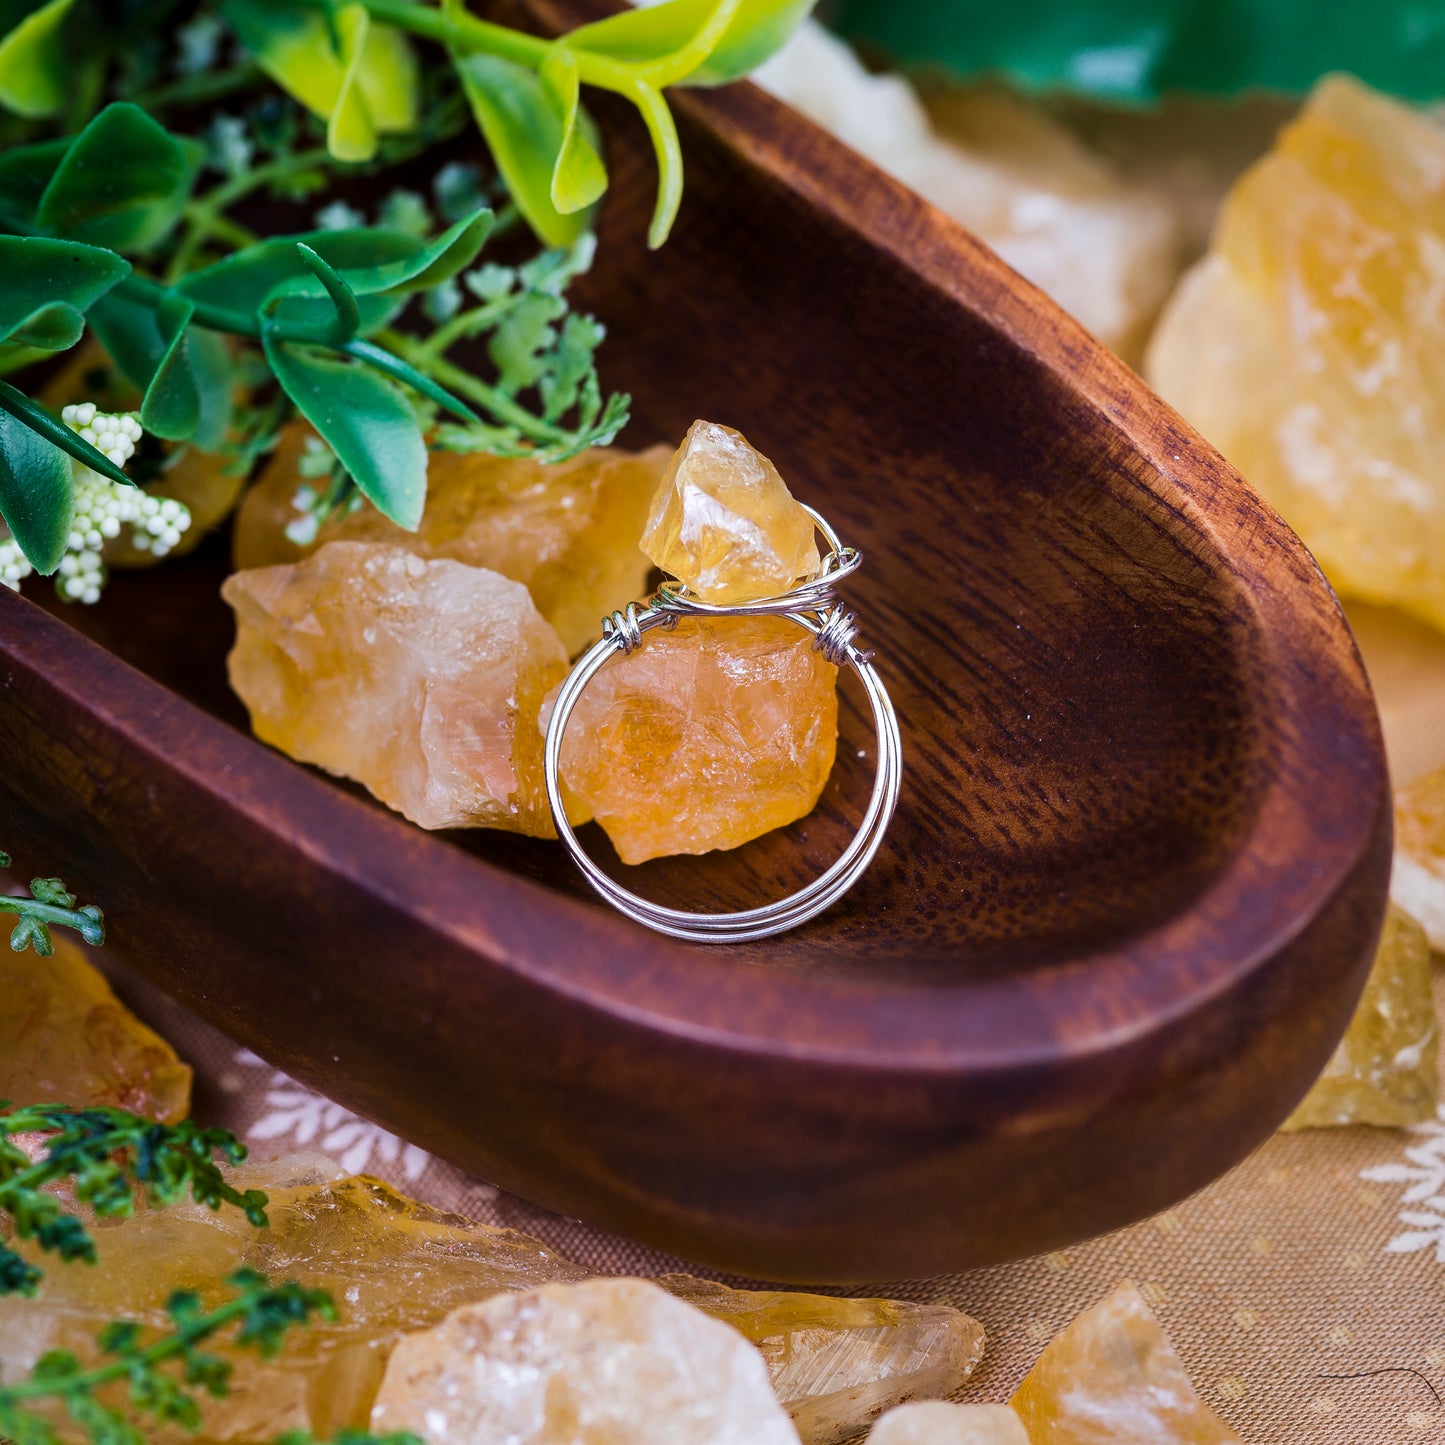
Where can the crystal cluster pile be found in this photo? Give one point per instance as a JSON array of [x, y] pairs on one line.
[[413, 665], [421, 679], [568, 532], [396, 1267], [1385, 1070], [1307, 345], [65, 1037], [1417, 882], [1112, 1376]]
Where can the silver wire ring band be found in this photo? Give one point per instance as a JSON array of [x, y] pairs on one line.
[[812, 606]]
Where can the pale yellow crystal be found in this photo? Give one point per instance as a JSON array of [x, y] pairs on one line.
[[1385, 1070], [1417, 882], [936, 1423], [724, 522], [702, 738], [66, 1039], [1307, 345], [608, 1362], [1112, 1378], [421, 679], [395, 1266], [567, 531], [877, 1351]]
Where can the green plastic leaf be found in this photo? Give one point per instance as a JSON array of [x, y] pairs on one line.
[[293, 46], [46, 285], [25, 171], [343, 298], [365, 420], [33, 415], [1133, 51], [389, 79], [35, 63], [759, 30], [429, 263], [694, 42], [350, 133], [215, 374], [243, 281], [172, 403], [122, 183], [668, 149], [579, 177], [37, 492], [525, 136]]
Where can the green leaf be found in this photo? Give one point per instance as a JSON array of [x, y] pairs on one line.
[[33, 415], [659, 43], [243, 281], [365, 420], [579, 177], [171, 407], [293, 46], [1133, 51], [350, 133], [758, 31], [37, 498], [668, 149], [343, 298], [525, 136], [45, 285], [25, 171], [122, 183], [429, 263], [215, 373], [35, 62]]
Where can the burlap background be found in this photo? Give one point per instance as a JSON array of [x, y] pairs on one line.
[[1321, 1256]]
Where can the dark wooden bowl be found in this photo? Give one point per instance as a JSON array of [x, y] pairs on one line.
[[1126, 906]]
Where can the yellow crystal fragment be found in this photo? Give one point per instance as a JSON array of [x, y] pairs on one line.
[[1112, 1378], [936, 1423], [702, 738], [421, 679], [878, 1351], [567, 531], [724, 522], [66, 1039], [1417, 882], [396, 1266], [1385, 1070], [607, 1362], [1307, 345]]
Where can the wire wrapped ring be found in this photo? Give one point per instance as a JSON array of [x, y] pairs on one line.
[[812, 604]]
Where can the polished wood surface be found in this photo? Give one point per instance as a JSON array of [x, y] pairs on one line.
[[1123, 913]]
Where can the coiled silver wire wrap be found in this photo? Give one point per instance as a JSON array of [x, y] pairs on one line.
[[812, 605]]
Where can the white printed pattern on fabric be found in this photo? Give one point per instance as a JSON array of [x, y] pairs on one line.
[[313, 1121], [1423, 1174]]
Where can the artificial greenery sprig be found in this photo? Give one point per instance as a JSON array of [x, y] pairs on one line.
[[262, 1313], [50, 905], [107, 1156]]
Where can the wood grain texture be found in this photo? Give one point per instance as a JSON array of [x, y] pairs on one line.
[[1122, 916]]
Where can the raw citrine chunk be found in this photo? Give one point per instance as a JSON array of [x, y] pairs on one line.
[[66, 1039], [1113, 1378], [567, 531], [1307, 345], [702, 738], [1417, 883], [936, 1423], [420, 679], [395, 1266], [724, 522], [877, 1351], [601, 1363], [1385, 1070]]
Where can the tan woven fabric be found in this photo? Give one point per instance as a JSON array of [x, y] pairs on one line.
[[1322, 1255]]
